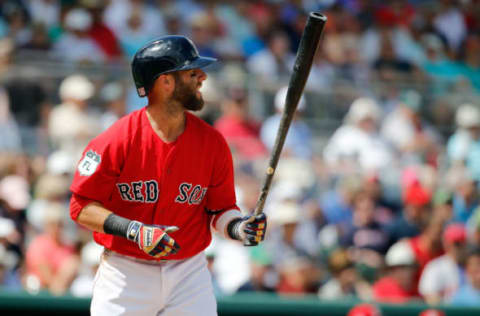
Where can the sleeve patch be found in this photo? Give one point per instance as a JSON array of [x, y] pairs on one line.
[[89, 163]]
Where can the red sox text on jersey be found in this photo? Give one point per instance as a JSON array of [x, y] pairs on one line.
[[147, 191]]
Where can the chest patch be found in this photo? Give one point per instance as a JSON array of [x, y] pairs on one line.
[[89, 163]]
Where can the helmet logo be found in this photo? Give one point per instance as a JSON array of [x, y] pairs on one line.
[[141, 91]]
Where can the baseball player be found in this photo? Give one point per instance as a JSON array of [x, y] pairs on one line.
[[152, 188]]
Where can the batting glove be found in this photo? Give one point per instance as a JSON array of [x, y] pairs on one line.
[[153, 239], [250, 229]]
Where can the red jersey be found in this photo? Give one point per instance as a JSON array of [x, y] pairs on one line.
[[136, 175], [388, 290]]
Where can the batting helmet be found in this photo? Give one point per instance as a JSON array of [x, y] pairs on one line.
[[163, 55]]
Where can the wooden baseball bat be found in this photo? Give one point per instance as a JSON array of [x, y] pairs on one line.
[[303, 62]]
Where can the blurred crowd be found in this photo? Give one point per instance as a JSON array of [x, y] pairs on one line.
[[376, 196]]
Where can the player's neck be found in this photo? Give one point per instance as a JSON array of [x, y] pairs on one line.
[[168, 124]]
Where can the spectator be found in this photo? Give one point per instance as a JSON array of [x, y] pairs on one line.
[[39, 41], [356, 145], [240, 130], [18, 27], [389, 67], [72, 124], [90, 257], [132, 35], [398, 285], [78, 23], [470, 65], [100, 32], [428, 245], [274, 63], [337, 204], [46, 12], [473, 229], [414, 215], [288, 239], [443, 275], [468, 294], [238, 26], [10, 272], [130, 18], [10, 142], [366, 233], [51, 264], [442, 70], [203, 28], [297, 276], [112, 95], [465, 198], [299, 138], [464, 145], [345, 282], [49, 188], [450, 22], [263, 277], [406, 130]]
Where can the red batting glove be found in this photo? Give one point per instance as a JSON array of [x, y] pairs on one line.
[[153, 239]]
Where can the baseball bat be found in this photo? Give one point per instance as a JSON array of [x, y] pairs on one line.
[[303, 63]]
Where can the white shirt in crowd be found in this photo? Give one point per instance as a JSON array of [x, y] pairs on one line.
[[441, 277], [354, 144]]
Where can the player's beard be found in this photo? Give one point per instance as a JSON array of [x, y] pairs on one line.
[[187, 96]]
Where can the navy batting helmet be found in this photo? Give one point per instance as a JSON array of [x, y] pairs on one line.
[[163, 55]]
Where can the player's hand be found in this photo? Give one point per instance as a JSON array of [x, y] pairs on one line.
[[252, 229], [155, 241]]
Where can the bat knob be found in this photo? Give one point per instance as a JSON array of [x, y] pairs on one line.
[[248, 243]]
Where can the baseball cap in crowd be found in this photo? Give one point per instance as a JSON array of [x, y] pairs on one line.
[[76, 87], [286, 213], [78, 20], [467, 116], [364, 309], [432, 312], [416, 195], [361, 109], [400, 254], [281, 97], [455, 233]]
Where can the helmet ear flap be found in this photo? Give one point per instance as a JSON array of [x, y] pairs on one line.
[[146, 73]]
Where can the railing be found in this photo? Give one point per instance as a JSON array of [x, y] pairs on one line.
[[240, 304]]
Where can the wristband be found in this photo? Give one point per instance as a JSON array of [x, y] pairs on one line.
[[233, 229], [116, 225]]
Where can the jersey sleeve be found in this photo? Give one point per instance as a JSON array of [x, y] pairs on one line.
[[98, 169], [221, 191]]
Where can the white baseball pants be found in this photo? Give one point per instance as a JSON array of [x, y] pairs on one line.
[[124, 286]]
